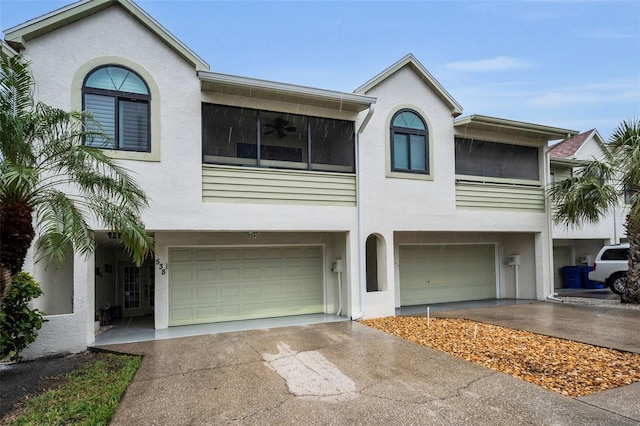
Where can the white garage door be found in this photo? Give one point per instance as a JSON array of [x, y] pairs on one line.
[[449, 273], [225, 284]]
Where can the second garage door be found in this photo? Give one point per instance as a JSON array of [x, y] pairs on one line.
[[449, 273], [226, 284]]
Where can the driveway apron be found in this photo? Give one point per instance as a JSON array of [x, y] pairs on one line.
[[336, 374]]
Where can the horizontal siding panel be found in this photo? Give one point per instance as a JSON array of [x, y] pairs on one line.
[[487, 196], [228, 184]]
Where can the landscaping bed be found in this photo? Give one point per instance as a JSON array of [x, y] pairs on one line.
[[566, 367]]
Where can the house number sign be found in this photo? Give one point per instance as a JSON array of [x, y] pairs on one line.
[[161, 266]]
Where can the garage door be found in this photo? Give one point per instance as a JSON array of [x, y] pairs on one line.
[[226, 284], [450, 273]]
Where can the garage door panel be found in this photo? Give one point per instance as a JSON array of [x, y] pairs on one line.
[[181, 294], [230, 254], [250, 291], [229, 284], [180, 255], [230, 291], [180, 275], [206, 294], [205, 254], [206, 274], [181, 314], [230, 274], [437, 274], [252, 273]]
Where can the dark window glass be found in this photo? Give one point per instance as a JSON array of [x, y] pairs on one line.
[[616, 254], [119, 101], [283, 137], [333, 145], [230, 136], [409, 143], [500, 160]]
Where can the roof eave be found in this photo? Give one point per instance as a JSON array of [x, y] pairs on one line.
[[482, 122], [19, 35], [350, 101], [570, 162], [6, 51]]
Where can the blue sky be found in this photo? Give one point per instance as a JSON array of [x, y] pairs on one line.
[[570, 64]]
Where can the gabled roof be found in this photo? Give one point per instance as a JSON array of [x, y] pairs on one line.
[[511, 127], [410, 61], [264, 89], [18, 37], [568, 148]]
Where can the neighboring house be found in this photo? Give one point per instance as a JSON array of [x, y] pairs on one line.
[[271, 199], [574, 246]]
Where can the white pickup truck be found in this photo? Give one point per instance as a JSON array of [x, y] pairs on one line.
[[610, 267]]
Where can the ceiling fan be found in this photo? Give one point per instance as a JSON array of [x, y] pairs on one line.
[[281, 126]]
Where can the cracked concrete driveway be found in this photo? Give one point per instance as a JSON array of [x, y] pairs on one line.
[[330, 374]]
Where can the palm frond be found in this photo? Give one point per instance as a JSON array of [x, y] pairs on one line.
[[62, 224], [16, 86], [586, 196], [46, 165]]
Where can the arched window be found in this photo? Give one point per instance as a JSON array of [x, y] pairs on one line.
[[409, 143], [119, 101]]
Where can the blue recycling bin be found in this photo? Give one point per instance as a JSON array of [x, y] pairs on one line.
[[572, 276], [585, 278]]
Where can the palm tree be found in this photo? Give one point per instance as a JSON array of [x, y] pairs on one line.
[[597, 186], [52, 184]]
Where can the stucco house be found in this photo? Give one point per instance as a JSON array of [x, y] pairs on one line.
[[579, 245], [271, 199]]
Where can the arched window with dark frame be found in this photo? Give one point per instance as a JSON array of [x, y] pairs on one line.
[[409, 143], [119, 101]]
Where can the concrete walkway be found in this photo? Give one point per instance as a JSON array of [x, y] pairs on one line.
[[344, 373]]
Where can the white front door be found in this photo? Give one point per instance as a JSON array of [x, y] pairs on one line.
[[137, 287]]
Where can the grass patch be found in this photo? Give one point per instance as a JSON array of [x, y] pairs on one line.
[[89, 395]]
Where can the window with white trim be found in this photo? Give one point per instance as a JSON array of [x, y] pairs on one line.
[[119, 100]]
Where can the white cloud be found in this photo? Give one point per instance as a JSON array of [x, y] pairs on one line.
[[612, 34], [607, 92], [499, 63]]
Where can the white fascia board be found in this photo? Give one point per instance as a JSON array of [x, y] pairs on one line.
[[570, 162], [480, 121], [6, 51], [363, 101]]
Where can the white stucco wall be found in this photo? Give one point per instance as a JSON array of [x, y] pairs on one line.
[[427, 206], [69, 333]]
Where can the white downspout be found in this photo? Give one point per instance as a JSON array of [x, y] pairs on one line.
[[361, 237], [550, 225]]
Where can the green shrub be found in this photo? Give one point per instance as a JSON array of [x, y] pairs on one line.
[[19, 323]]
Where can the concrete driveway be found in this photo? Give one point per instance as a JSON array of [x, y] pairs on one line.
[[342, 373]]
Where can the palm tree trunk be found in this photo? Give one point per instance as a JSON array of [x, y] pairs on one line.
[[632, 290], [16, 235]]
